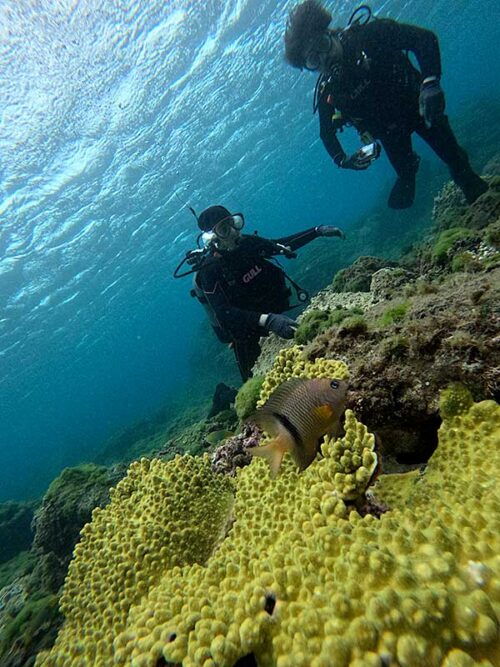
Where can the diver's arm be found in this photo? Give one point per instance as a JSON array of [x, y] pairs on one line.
[[285, 245], [328, 130], [296, 241], [328, 133], [405, 37]]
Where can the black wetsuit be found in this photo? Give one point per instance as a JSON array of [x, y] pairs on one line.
[[238, 286], [376, 89]]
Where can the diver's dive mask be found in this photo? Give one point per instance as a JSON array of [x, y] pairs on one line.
[[317, 54], [324, 53], [227, 226], [225, 233]]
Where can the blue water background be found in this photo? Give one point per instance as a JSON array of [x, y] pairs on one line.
[[106, 111]]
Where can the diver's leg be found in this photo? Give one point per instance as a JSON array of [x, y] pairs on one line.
[[246, 352], [441, 139], [405, 162]]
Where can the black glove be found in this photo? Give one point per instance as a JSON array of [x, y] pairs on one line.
[[357, 161], [431, 101], [328, 230], [281, 325]]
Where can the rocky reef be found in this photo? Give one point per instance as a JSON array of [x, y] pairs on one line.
[[357, 277], [430, 321], [15, 528], [411, 348]]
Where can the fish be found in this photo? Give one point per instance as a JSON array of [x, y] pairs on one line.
[[296, 415], [216, 437]]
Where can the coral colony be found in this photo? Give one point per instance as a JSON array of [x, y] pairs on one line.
[[187, 566]]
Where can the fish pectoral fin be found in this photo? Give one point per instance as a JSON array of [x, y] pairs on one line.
[[273, 453]]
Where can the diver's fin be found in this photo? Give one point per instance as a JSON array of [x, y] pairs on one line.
[[403, 193]]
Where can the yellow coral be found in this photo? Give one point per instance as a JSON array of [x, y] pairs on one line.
[[351, 460], [290, 362], [302, 581], [161, 515], [394, 488]]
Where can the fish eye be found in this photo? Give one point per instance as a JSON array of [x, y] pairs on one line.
[[334, 384]]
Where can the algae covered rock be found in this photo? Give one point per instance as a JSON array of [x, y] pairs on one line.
[[313, 322], [492, 234], [450, 209], [389, 282], [454, 400], [247, 397], [16, 534], [357, 277], [355, 325], [66, 507], [68, 503], [486, 209], [450, 239], [33, 629], [196, 438], [394, 314], [449, 205]]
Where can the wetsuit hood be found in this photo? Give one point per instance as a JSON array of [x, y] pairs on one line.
[[211, 216]]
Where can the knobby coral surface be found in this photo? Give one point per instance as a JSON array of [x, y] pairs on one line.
[[160, 516], [300, 579], [291, 362]]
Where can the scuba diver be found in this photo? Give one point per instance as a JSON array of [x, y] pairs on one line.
[[244, 292], [366, 80]]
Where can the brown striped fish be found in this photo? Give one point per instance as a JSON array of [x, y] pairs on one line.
[[296, 415]]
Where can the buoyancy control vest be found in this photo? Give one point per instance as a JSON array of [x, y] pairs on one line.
[[250, 281]]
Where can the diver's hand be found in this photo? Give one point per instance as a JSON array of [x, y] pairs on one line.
[[431, 101], [357, 161], [281, 325], [328, 230]]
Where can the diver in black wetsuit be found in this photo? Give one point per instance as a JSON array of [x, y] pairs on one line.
[[367, 81], [244, 292]]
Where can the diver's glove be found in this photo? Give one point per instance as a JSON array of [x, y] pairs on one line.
[[431, 102], [328, 230], [281, 325], [357, 161]]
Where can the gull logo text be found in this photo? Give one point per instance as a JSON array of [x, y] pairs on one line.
[[250, 275]]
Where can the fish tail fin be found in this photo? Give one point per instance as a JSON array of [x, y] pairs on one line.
[[273, 452]]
